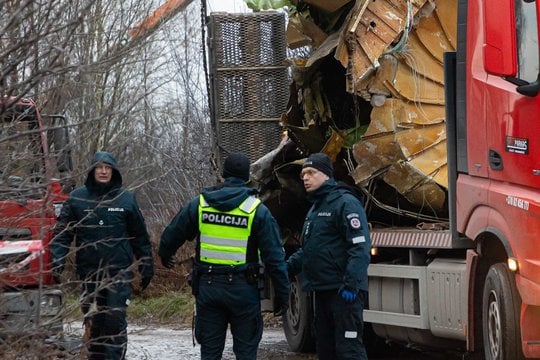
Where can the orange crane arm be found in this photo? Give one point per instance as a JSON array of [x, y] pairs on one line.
[[159, 16]]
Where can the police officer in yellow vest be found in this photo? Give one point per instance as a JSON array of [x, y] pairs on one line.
[[234, 232]]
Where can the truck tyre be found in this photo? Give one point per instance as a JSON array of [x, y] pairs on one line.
[[500, 315], [298, 320]]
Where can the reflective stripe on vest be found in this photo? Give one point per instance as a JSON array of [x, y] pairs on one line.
[[224, 235]]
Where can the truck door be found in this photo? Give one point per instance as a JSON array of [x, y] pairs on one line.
[[513, 121]]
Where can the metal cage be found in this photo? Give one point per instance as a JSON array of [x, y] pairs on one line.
[[249, 79]]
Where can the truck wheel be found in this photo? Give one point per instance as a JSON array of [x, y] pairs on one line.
[[298, 320], [500, 315]]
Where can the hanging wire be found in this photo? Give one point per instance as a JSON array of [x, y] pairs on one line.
[[408, 25], [397, 211]]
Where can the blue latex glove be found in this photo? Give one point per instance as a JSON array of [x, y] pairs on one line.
[[348, 295]]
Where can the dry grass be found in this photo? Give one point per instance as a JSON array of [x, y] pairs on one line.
[[171, 308]]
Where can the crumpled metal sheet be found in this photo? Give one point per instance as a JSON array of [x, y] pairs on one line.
[[302, 32], [392, 51], [372, 27], [405, 143], [415, 186]]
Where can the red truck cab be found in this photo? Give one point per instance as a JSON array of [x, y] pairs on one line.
[[33, 152], [498, 171]]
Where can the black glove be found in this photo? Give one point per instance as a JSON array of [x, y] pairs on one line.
[[281, 307], [57, 278], [168, 262], [291, 273], [145, 281], [56, 274]]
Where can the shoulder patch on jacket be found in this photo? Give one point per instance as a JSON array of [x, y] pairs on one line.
[[354, 221]]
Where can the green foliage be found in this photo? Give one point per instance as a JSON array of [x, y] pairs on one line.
[[258, 5], [354, 135]]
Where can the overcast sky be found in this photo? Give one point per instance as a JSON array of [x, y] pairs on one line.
[[232, 6]]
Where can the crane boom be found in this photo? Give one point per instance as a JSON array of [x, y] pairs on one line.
[[159, 16]]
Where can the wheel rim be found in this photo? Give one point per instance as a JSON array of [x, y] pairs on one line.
[[293, 313], [494, 326]]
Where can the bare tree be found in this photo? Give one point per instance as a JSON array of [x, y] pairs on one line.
[[142, 99]]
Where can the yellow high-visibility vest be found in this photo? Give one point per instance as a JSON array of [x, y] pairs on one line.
[[224, 235]]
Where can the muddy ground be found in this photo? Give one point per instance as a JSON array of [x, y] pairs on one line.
[[168, 343]]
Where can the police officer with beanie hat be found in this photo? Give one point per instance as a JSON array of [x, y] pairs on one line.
[[232, 228], [333, 260], [236, 165]]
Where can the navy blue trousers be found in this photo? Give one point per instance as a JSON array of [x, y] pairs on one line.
[[108, 329], [221, 301], [339, 327]]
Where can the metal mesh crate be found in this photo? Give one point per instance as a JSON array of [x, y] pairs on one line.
[[248, 39], [252, 138], [249, 80]]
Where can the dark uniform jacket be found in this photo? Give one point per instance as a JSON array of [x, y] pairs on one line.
[[107, 225], [264, 235], [336, 245]]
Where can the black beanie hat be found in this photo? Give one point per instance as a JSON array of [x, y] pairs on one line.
[[236, 165], [321, 162]]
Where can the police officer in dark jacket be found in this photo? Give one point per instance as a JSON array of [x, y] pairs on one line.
[[334, 258], [109, 232], [232, 228]]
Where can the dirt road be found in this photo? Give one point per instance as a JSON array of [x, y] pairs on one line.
[[171, 344], [166, 343]]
